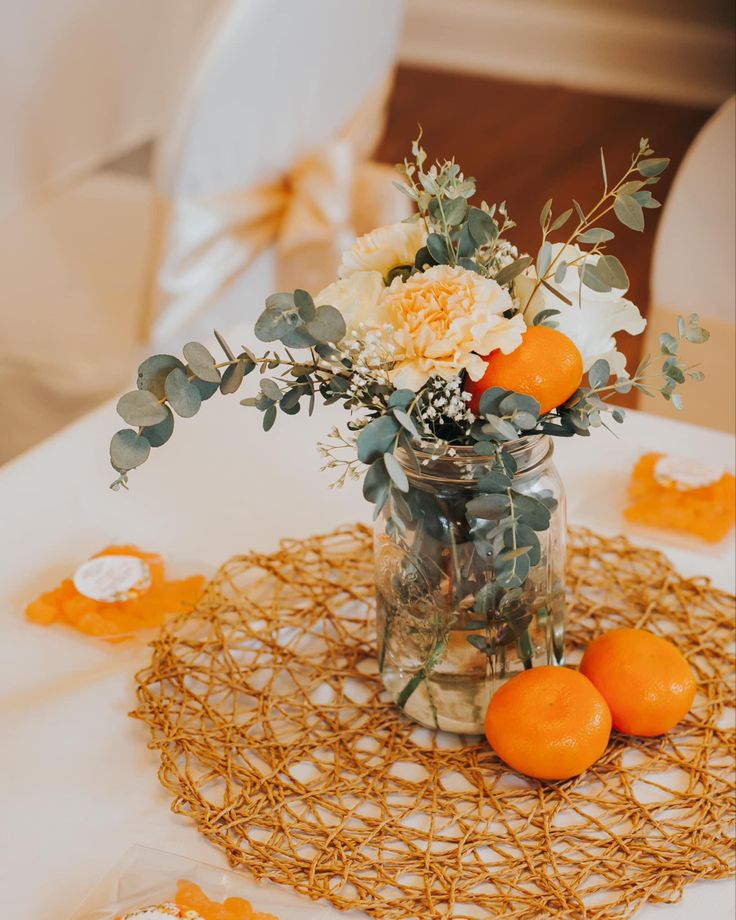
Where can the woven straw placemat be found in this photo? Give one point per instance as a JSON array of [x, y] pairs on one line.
[[276, 739]]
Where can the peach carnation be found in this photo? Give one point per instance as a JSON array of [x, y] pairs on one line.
[[441, 321]]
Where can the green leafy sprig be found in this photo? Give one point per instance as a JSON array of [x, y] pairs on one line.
[[167, 386], [627, 199], [459, 234]]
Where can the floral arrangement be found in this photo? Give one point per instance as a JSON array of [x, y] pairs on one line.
[[406, 338], [442, 341]]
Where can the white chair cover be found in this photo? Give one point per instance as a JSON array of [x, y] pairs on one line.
[[693, 269], [83, 82], [273, 83], [279, 157]]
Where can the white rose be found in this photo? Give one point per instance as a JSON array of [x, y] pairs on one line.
[[592, 319], [384, 248], [355, 297]]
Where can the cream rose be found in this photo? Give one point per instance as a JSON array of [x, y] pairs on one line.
[[355, 297], [592, 319], [384, 248], [441, 321]]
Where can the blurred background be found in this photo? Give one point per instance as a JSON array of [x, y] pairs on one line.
[[166, 164]]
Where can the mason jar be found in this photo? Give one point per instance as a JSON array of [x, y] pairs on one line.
[[451, 630]]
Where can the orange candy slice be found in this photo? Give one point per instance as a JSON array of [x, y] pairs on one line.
[[118, 620], [707, 512], [191, 897]]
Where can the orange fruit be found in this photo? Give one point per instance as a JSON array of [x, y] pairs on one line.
[[548, 722], [646, 681], [547, 366]]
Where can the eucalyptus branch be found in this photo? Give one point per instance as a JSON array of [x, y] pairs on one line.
[[626, 198]]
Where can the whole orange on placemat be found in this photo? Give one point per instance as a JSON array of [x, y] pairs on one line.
[[646, 681], [546, 366], [548, 722]]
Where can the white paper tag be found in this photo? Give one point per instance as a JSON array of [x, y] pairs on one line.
[[685, 475], [113, 578]]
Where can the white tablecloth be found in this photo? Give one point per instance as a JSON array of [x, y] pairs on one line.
[[78, 783]]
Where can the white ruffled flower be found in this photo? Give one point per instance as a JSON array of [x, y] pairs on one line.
[[592, 320], [355, 297], [384, 248]]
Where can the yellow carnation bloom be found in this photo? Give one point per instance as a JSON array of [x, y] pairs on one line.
[[442, 321]]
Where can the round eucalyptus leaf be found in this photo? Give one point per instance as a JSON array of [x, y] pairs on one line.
[[438, 248], [205, 387], [405, 421], [201, 362], [328, 325], [519, 402], [153, 372], [232, 378], [269, 417], [304, 304], [494, 481], [525, 421], [490, 401], [276, 321], [291, 397], [531, 511], [376, 482], [377, 438], [183, 396], [270, 389], [299, 337], [396, 472], [482, 227], [488, 506], [281, 300], [599, 373], [159, 434], [140, 407], [128, 450], [525, 537], [401, 398], [499, 428]]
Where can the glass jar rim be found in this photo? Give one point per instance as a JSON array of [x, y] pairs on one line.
[[539, 446]]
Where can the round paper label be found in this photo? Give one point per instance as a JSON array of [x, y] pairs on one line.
[[684, 475], [113, 578]]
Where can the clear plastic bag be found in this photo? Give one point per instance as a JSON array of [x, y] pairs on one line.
[[146, 877]]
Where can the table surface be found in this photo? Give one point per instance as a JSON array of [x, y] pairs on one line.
[[79, 784]]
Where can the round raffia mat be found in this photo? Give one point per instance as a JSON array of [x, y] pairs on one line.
[[275, 738]]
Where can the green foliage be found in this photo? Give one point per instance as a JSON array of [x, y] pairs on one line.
[[167, 385], [497, 517]]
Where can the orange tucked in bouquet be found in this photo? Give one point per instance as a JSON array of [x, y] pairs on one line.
[[117, 593]]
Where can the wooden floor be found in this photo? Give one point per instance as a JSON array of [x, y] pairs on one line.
[[526, 143]]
